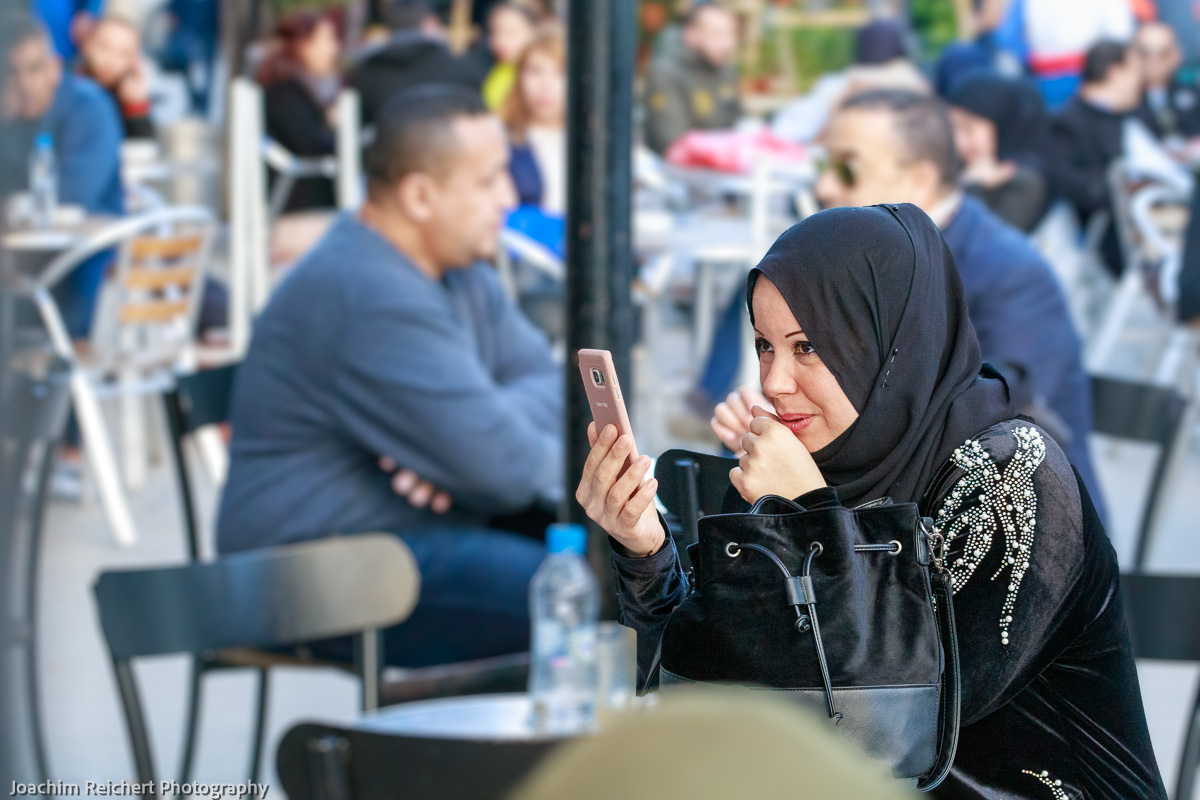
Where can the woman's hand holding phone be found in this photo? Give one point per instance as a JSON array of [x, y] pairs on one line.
[[620, 502]]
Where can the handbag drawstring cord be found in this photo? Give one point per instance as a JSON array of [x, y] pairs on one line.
[[800, 592]]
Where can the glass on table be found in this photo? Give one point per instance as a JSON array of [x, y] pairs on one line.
[[616, 669]]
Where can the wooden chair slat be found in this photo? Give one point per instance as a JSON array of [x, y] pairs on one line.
[[158, 279], [161, 311], [144, 247]]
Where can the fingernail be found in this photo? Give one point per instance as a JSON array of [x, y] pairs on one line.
[[623, 444]]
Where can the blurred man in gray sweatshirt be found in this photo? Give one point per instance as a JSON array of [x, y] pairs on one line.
[[391, 343]]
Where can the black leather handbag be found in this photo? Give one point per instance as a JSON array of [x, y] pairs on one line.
[[848, 608]]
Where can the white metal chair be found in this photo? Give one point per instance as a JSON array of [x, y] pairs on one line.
[[1147, 251], [144, 327], [251, 210]]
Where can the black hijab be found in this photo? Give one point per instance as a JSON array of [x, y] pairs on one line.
[[1015, 107], [877, 292]]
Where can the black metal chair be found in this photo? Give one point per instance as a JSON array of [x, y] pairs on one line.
[[263, 598], [197, 400], [204, 398], [322, 762], [1162, 613], [692, 485], [1144, 413], [33, 415]]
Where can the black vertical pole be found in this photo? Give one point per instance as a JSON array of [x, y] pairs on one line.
[[601, 40]]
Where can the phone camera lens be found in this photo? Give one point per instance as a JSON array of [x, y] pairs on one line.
[[597, 377]]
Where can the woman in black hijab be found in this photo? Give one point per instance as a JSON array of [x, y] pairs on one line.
[[999, 129], [873, 370]]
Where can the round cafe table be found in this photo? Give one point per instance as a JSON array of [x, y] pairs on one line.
[[478, 746]]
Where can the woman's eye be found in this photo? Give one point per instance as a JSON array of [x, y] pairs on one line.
[[761, 346], [805, 348]]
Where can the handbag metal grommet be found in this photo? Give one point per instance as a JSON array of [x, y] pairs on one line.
[[732, 550]]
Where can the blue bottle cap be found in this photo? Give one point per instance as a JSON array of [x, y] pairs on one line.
[[564, 537]]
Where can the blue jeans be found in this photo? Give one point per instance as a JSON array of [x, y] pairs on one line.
[[474, 600]]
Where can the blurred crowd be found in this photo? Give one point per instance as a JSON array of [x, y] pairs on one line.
[[391, 382]]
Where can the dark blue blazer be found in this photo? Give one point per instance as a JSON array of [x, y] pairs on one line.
[[527, 178], [1024, 327]]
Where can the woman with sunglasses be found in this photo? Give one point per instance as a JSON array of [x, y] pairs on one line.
[[873, 372]]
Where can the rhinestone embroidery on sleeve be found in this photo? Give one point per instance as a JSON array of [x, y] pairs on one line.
[[1006, 499], [1055, 785]]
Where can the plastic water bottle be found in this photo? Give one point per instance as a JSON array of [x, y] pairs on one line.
[[564, 603], [43, 181]]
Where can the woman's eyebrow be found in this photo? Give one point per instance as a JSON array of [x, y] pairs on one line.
[[793, 333]]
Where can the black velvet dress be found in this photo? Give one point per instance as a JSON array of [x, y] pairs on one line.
[[1051, 705]]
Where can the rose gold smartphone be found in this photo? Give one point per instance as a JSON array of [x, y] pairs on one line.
[[604, 392]]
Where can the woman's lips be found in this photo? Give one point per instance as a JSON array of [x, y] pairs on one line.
[[796, 422]]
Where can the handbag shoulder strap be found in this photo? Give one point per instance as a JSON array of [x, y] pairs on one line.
[[951, 713]]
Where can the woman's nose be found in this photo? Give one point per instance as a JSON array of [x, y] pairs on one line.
[[777, 380]]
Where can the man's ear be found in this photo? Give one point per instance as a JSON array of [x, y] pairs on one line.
[[927, 178], [416, 194]]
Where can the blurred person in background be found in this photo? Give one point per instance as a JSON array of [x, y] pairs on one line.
[[392, 345], [1169, 108], [881, 61], [1052, 37], [68, 22], [1000, 127], [510, 29], [300, 83], [696, 88], [892, 146], [40, 97], [111, 55], [535, 115], [414, 54], [1089, 134]]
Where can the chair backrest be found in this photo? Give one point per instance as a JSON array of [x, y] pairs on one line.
[[262, 598], [1130, 410], [691, 485], [197, 400], [323, 762], [205, 397], [1161, 611], [1143, 413], [162, 258]]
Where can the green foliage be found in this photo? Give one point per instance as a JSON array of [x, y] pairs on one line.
[[935, 23]]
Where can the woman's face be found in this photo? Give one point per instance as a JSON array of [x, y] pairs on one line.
[[806, 396], [544, 88], [509, 32], [321, 50], [974, 136]]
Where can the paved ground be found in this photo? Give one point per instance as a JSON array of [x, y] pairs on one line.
[[85, 734]]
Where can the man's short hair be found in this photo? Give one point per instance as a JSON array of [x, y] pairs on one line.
[[404, 15], [1101, 57], [922, 126], [16, 29], [414, 132]]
